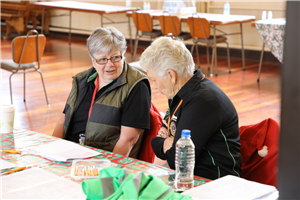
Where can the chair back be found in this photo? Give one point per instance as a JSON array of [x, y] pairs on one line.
[[253, 138], [199, 27], [169, 24], [146, 151], [29, 48], [142, 21]]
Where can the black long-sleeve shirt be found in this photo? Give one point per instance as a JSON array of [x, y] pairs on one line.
[[210, 115]]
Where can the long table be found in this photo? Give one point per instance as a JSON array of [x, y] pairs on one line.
[[215, 20], [71, 6], [22, 139]]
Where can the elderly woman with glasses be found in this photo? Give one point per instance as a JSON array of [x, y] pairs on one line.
[[109, 104], [195, 103]]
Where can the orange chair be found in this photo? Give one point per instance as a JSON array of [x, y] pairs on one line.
[[171, 26], [257, 164], [200, 31], [146, 151], [26, 51], [143, 23]]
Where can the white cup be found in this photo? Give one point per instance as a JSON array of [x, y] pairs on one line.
[[7, 118], [264, 15]]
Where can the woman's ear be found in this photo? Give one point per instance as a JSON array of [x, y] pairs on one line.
[[172, 75]]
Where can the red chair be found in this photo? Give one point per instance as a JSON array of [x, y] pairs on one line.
[[146, 151], [253, 139]]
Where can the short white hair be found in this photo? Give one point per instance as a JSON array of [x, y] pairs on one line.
[[165, 53]]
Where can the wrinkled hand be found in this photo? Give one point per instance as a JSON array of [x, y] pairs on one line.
[[168, 144], [163, 132]]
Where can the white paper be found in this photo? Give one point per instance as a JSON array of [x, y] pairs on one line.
[[232, 187], [36, 183], [6, 165], [63, 150]]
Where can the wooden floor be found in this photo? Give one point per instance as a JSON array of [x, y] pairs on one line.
[[253, 101]]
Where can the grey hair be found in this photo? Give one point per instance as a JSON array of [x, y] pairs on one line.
[[165, 53], [105, 39]]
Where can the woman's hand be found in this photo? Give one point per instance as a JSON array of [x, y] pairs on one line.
[[163, 132], [168, 144]]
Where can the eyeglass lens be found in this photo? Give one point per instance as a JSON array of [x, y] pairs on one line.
[[105, 60]]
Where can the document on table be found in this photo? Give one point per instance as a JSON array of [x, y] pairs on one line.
[[232, 187], [5, 165], [63, 150], [36, 183]]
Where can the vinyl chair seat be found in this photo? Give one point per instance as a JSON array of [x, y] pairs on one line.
[[10, 65], [154, 33], [182, 36], [210, 40]]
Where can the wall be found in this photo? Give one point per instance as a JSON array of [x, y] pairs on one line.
[[84, 23]]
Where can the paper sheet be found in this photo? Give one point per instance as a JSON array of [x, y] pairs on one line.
[[63, 150], [232, 187], [36, 183], [4, 164]]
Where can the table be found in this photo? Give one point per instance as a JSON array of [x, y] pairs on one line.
[[272, 32], [21, 139], [85, 7], [215, 20]]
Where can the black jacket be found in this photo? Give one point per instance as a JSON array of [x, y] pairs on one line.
[[210, 115]]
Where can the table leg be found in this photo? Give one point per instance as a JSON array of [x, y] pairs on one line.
[[260, 62], [43, 18], [215, 49], [130, 38], [70, 22], [242, 42], [101, 20]]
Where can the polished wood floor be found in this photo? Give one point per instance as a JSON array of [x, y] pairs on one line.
[[253, 101]]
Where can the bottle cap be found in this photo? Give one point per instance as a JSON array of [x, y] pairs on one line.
[[185, 133]]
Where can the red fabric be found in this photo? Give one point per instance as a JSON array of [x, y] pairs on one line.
[[253, 138], [146, 151]]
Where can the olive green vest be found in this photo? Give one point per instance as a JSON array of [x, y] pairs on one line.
[[104, 124]]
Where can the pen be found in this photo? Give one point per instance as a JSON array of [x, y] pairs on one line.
[[15, 170], [10, 151]]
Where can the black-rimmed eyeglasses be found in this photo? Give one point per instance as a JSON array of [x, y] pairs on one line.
[[103, 61]]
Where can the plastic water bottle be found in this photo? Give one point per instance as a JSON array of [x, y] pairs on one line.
[[184, 162], [146, 5], [128, 3], [270, 15], [226, 10]]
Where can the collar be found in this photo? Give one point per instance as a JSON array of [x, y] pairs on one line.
[[188, 88]]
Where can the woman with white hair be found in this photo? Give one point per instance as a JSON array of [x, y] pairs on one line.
[[195, 103], [109, 103]]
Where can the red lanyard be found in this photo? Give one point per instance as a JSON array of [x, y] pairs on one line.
[[94, 94]]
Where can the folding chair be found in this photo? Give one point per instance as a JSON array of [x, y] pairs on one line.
[[143, 23], [171, 26], [26, 51], [200, 31]]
